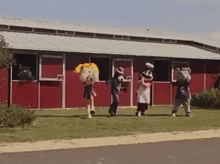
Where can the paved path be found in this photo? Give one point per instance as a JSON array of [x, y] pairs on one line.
[[107, 141], [204, 151]]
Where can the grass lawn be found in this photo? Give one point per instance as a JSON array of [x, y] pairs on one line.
[[69, 124]]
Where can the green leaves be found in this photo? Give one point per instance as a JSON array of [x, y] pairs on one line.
[[5, 54], [208, 98], [15, 116]]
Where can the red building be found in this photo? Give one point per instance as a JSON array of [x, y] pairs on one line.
[[51, 51]]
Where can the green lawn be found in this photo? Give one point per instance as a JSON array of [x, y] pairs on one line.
[[69, 124]]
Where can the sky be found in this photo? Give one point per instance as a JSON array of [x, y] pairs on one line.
[[178, 16]]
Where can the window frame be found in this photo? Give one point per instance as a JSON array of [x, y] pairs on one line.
[[159, 81], [37, 70], [40, 68]]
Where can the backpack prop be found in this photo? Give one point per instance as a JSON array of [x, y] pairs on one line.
[[183, 95], [89, 73]]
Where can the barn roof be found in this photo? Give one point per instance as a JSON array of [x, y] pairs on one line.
[[79, 27], [42, 42]]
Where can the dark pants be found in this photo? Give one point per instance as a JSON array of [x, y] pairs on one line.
[[142, 107], [114, 105]]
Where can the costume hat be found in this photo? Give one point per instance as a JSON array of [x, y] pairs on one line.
[[150, 66], [120, 70]]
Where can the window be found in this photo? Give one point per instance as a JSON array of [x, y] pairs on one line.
[[174, 71], [104, 65], [25, 67], [161, 70], [51, 67]]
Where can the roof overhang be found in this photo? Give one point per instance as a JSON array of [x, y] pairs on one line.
[[40, 42]]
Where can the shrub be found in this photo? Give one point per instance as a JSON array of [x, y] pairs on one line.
[[5, 54], [14, 116], [208, 98]]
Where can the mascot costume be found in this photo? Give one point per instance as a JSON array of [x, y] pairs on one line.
[[89, 73], [183, 92], [25, 73], [143, 89], [116, 83]]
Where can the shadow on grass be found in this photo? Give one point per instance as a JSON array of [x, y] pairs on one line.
[[84, 116]]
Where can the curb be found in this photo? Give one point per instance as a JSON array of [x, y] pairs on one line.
[[106, 141]]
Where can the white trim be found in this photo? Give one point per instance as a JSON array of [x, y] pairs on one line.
[[40, 69], [113, 67], [161, 81], [36, 74], [64, 82], [172, 71], [38, 103], [122, 59], [132, 77], [98, 56], [171, 93], [11, 82], [204, 76], [63, 79], [152, 93], [25, 81], [52, 56]]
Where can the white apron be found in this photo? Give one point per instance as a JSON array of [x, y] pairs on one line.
[[143, 94]]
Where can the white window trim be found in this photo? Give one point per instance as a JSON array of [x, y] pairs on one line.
[[174, 62], [36, 68], [40, 69]]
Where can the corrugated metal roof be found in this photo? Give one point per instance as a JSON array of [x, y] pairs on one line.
[[30, 41], [212, 40], [83, 28]]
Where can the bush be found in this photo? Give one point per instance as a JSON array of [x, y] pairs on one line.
[[5, 54], [14, 116], [208, 98]]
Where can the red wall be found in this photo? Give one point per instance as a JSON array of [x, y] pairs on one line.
[[4, 83], [50, 94], [103, 97], [51, 67], [162, 93], [74, 87], [197, 75], [174, 87], [25, 94]]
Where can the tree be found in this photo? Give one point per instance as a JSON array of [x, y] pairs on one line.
[[5, 54]]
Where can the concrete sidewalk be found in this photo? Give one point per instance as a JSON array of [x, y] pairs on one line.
[[107, 141]]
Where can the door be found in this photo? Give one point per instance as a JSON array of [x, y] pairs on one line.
[[125, 96], [51, 81], [161, 85]]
